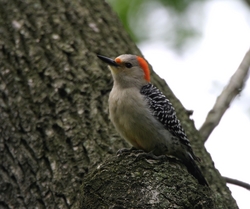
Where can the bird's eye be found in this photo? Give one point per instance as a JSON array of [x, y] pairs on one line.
[[128, 65]]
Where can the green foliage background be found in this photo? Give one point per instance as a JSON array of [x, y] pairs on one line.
[[176, 23]]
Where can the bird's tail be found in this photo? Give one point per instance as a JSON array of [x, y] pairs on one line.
[[193, 168]]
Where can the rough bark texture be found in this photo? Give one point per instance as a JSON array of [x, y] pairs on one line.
[[54, 123], [142, 182]]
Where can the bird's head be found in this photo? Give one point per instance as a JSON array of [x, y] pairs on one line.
[[128, 70]]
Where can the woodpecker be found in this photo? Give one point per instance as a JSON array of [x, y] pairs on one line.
[[143, 115]]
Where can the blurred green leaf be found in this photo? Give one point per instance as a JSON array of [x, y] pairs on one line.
[[174, 22]]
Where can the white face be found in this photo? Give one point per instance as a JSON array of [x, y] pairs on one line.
[[129, 72]]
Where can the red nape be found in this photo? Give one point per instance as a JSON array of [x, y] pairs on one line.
[[144, 65]]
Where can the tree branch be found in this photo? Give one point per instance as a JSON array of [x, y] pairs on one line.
[[133, 181], [237, 183], [223, 101]]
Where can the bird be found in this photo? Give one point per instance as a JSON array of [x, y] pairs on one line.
[[144, 116]]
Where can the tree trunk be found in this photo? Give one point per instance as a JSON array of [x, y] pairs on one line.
[[54, 124]]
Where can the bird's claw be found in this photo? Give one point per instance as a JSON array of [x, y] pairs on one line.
[[151, 155], [128, 150]]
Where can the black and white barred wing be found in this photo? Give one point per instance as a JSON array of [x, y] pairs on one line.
[[164, 111]]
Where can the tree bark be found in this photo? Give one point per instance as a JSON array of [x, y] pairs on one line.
[[142, 182], [54, 125]]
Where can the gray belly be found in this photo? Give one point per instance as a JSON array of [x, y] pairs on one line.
[[134, 121]]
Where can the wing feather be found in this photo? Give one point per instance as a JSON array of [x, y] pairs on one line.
[[164, 112]]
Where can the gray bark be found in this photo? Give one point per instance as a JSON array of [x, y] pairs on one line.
[[54, 126], [143, 182]]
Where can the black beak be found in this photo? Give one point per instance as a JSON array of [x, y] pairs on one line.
[[108, 60]]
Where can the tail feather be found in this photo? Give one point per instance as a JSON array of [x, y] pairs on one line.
[[195, 171]]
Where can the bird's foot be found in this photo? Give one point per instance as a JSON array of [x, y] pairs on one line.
[[128, 150], [150, 155]]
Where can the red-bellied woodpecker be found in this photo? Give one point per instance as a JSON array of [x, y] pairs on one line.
[[144, 116]]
